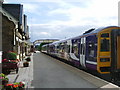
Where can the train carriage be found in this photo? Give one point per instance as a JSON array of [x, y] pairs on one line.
[[97, 50]]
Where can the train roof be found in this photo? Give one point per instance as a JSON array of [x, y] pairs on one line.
[[93, 31], [99, 29]]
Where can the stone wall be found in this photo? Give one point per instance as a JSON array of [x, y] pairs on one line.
[[7, 35], [0, 31]]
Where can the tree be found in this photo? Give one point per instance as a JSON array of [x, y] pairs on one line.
[[40, 46]]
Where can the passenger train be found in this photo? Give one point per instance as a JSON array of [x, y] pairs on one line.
[[96, 50]]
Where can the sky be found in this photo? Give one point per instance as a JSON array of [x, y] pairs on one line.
[[60, 19]]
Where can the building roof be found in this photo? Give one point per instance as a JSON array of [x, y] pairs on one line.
[[1, 1], [16, 10], [9, 16]]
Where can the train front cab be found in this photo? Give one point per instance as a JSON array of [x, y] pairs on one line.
[[108, 58]]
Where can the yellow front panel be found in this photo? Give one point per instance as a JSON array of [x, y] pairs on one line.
[[103, 54], [107, 54], [104, 64]]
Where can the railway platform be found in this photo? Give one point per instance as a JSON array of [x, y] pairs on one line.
[[52, 73], [47, 72]]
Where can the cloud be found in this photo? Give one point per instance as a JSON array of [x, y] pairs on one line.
[[93, 13], [31, 8], [99, 11], [79, 19], [37, 1], [68, 18], [52, 31], [45, 33]]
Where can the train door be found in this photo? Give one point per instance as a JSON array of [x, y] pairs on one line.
[[69, 51], [82, 51], [118, 52], [115, 53]]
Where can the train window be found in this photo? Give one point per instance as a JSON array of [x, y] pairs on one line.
[[91, 49], [81, 45], [104, 45], [83, 48], [58, 46], [75, 49], [67, 48], [105, 35]]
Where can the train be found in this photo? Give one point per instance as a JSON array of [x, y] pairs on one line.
[[97, 50]]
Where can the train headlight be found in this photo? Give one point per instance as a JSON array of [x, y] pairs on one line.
[[104, 59]]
